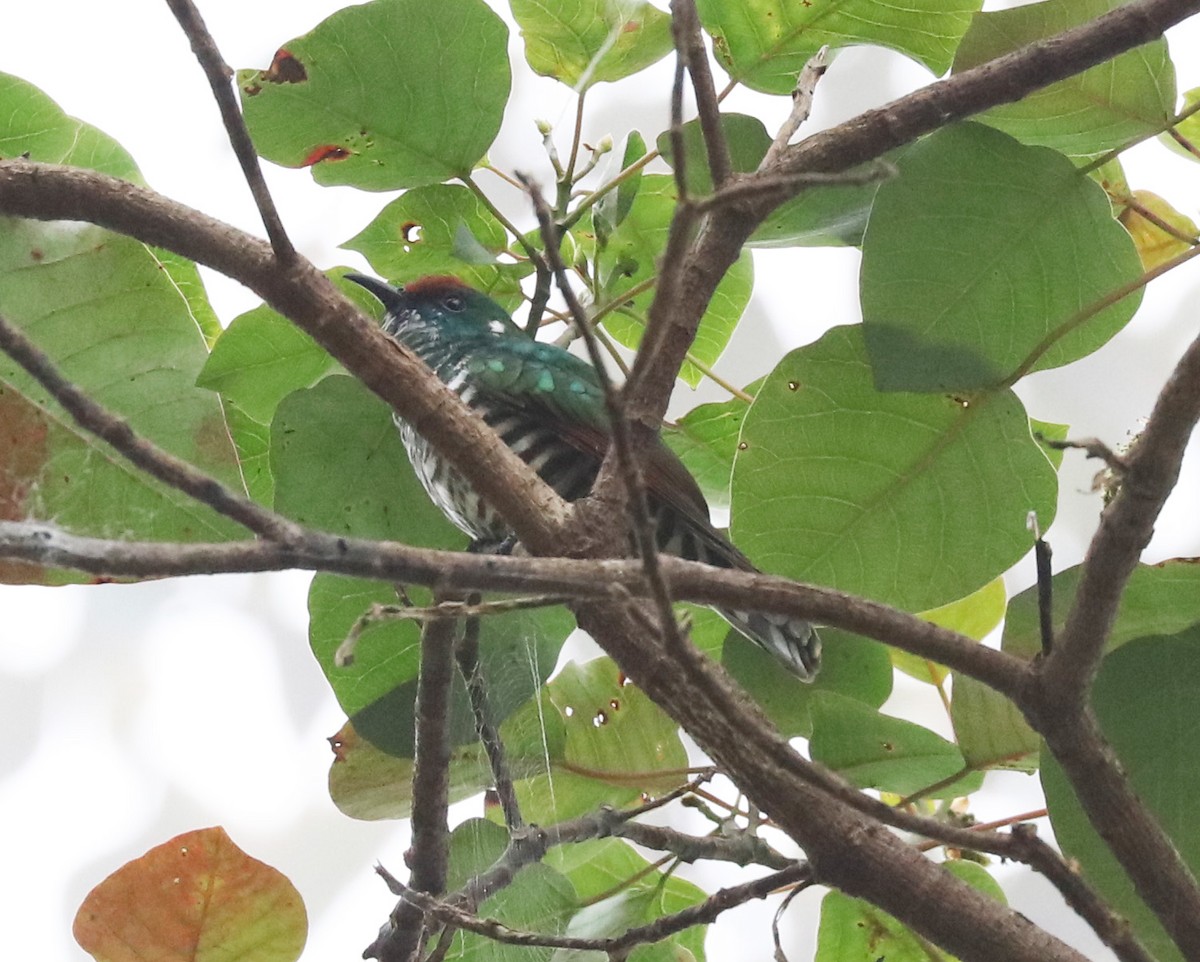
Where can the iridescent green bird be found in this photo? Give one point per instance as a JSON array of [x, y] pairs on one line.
[[548, 406]]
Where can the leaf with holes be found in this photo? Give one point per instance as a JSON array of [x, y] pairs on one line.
[[384, 95], [418, 234], [602, 740]]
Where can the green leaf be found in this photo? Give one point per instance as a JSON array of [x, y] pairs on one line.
[[123, 323], [583, 42], [1160, 599], [914, 500], [706, 441], [614, 207], [387, 94], [818, 217], [600, 741], [990, 730], [950, 306], [747, 138], [369, 784], [621, 890], [262, 356], [878, 751], [1045, 431], [764, 44], [365, 485], [1145, 697], [517, 652], [539, 899], [852, 930], [252, 441], [631, 257], [1118, 101], [31, 123], [419, 234]]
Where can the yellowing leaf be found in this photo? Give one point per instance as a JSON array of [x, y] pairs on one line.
[[196, 898], [974, 616], [1159, 231]]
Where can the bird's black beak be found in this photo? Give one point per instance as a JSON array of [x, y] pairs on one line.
[[391, 297]]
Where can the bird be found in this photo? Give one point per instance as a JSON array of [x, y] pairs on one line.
[[549, 407]]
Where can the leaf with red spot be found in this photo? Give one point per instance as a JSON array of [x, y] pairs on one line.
[[388, 94], [196, 898]]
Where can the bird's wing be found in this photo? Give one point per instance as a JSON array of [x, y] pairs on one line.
[[555, 384]]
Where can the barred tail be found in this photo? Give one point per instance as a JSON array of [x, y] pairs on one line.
[[792, 640]]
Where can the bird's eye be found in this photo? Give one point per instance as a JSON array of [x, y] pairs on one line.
[[453, 303]]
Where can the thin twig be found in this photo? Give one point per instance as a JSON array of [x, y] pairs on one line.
[[116, 431], [1094, 448], [219, 75], [1045, 584], [661, 928], [1114, 930], [627, 465], [1132, 203], [802, 101], [741, 848], [745, 188], [344, 656], [685, 29], [467, 655]]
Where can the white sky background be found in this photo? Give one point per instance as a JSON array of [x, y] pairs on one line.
[[133, 713]]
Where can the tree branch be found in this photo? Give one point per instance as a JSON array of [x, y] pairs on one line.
[[219, 74], [605, 579], [430, 852], [685, 27]]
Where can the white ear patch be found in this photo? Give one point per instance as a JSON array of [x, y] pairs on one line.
[[497, 326]]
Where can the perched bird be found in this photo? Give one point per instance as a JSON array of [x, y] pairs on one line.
[[548, 406]]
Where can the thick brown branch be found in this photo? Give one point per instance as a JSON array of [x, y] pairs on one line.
[[582, 579], [845, 848]]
